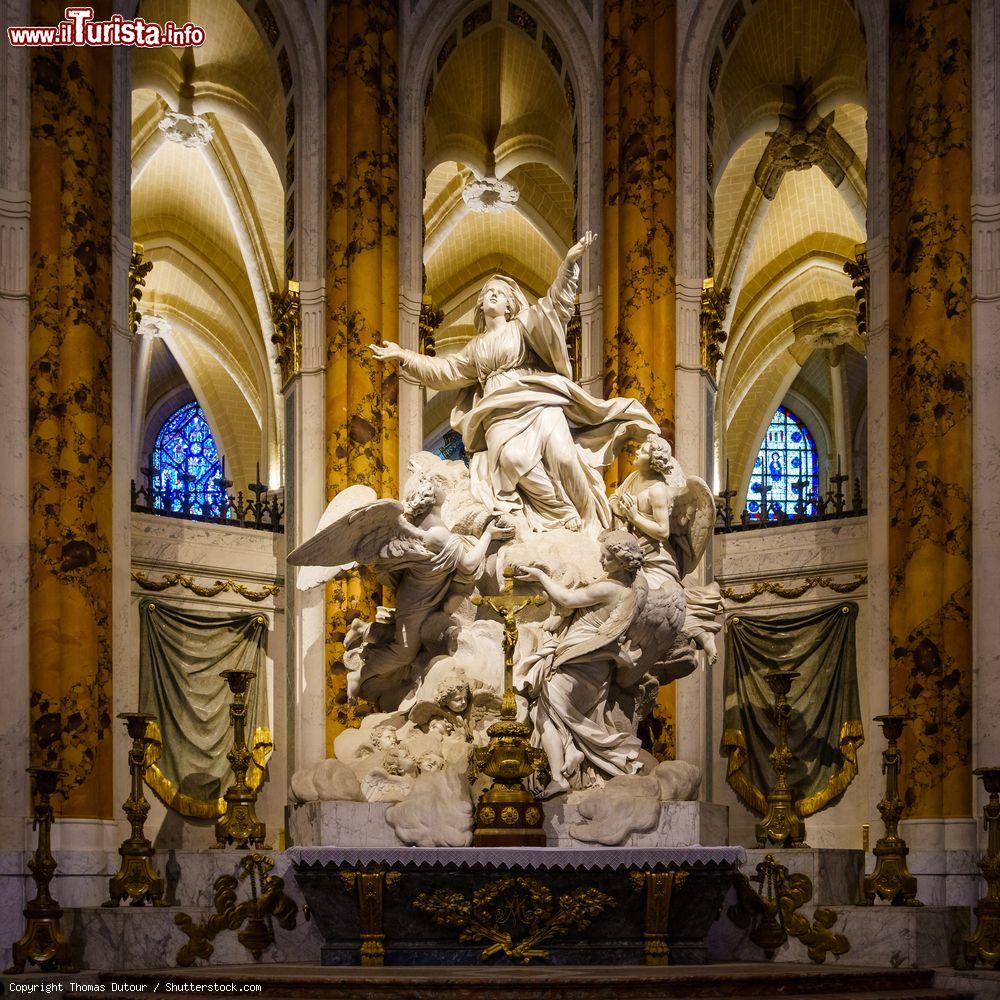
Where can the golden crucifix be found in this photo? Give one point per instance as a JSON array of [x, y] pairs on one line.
[[507, 813], [508, 605]]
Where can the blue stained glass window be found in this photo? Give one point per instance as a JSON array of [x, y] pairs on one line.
[[788, 462], [452, 447], [185, 445]]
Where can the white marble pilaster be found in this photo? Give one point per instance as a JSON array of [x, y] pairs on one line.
[[411, 396], [15, 205], [694, 405], [306, 463], [985, 387]]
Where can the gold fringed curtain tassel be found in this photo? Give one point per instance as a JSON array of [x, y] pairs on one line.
[[930, 402], [362, 292], [70, 416]]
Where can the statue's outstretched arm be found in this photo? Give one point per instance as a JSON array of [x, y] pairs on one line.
[[452, 372], [562, 291]]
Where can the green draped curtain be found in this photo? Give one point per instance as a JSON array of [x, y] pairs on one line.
[[182, 656], [825, 725]]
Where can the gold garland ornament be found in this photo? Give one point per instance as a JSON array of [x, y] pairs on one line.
[[180, 580], [261, 746], [790, 593]]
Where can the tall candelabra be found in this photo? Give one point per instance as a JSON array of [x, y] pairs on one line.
[[507, 814], [43, 943], [891, 880], [984, 945], [137, 877], [239, 825], [781, 825]]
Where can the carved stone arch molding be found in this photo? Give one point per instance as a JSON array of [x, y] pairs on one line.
[[703, 37], [290, 30], [425, 27]]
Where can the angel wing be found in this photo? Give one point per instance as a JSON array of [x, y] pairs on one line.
[[692, 521], [655, 626], [354, 529]]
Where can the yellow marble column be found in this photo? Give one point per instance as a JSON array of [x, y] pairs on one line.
[[640, 211], [640, 207], [362, 288], [930, 404], [70, 415]]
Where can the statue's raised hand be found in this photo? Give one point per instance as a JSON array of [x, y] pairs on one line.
[[575, 252], [386, 351]]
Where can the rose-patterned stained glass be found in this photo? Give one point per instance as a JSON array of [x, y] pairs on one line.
[[185, 445], [787, 460]]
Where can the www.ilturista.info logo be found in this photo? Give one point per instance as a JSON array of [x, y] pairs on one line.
[[80, 28]]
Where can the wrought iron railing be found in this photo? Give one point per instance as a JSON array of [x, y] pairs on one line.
[[261, 513], [832, 505]]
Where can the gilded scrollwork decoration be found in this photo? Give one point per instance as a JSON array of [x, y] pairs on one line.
[[138, 270], [514, 915], [252, 919], [287, 337], [770, 912]]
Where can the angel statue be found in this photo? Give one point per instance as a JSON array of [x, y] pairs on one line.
[[617, 640], [411, 549], [537, 441], [673, 517]]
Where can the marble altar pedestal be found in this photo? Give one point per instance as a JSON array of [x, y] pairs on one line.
[[466, 906]]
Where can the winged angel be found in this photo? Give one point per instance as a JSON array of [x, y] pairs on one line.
[[412, 550]]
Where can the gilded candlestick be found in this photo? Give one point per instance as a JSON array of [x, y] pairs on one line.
[[891, 880], [239, 825], [137, 877], [781, 825], [508, 814], [984, 945], [42, 943]]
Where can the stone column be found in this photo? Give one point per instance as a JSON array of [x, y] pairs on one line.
[[70, 427], [362, 426], [640, 209], [986, 365], [15, 206], [930, 411], [640, 205]]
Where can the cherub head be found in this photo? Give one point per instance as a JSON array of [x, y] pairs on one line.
[[384, 737], [656, 452], [430, 761], [620, 550], [440, 727], [453, 693]]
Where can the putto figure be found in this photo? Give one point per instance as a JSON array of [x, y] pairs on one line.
[[537, 441]]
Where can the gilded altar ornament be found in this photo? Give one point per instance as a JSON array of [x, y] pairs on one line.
[[659, 888], [771, 913], [515, 913], [42, 943], [239, 824], [891, 880], [204, 590], [137, 878], [253, 919], [370, 884], [781, 825], [509, 757], [984, 945]]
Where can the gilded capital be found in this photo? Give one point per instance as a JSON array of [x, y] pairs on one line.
[[287, 337]]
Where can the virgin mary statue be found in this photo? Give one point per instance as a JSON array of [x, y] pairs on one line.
[[537, 441]]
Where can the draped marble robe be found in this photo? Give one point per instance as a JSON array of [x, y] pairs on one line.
[[537, 441]]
